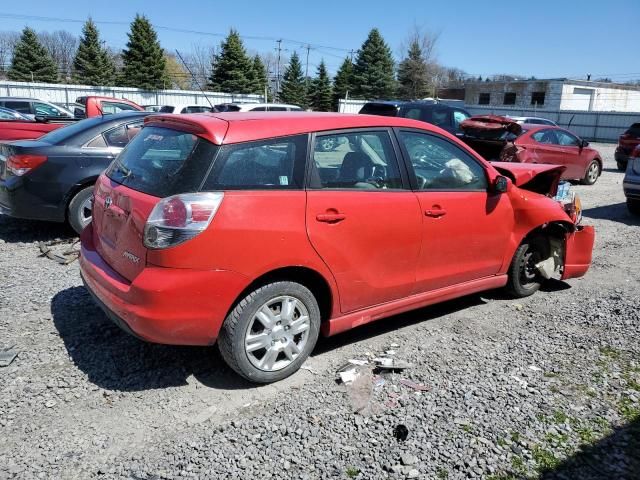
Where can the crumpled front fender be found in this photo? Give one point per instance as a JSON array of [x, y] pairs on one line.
[[578, 252]]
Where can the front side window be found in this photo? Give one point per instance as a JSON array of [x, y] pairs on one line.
[[42, 109], [566, 139], [358, 160], [458, 117], [440, 165], [273, 164]]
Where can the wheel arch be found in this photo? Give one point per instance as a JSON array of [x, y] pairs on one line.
[[308, 277]]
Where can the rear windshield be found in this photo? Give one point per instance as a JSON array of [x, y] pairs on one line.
[[385, 110], [634, 130], [163, 162]]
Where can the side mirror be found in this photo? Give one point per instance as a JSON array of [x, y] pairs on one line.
[[500, 184], [584, 143]]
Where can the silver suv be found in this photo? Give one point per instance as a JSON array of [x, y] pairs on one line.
[[32, 107]]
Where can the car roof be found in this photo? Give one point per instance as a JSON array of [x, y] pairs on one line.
[[234, 127], [254, 105]]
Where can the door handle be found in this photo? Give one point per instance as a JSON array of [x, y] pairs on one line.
[[435, 212], [330, 217]]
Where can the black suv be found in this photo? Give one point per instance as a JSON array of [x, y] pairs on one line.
[[431, 111]]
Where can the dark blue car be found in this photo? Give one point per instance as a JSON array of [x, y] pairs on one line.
[[52, 178]]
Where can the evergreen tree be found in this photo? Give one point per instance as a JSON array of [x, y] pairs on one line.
[[373, 71], [293, 89], [92, 64], [343, 83], [30, 61], [143, 59], [259, 76], [232, 71], [413, 74], [321, 95]]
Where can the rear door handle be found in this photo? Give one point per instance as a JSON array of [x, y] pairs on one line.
[[435, 212], [330, 217]]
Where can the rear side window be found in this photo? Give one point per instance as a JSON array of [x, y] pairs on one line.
[[264, 165], [163, 162], [22, 107]]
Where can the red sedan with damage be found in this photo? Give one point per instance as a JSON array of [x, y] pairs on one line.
[[497, 137], [239, 229]]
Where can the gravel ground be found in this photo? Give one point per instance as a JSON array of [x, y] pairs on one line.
[[546, 387]]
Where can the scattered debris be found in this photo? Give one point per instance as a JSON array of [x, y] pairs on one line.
[[308, 369], [534, 368], [355, 361], [65, 257], [378, 381], [390, 352], [523, 383], [7, 355], [415, 386], [384, 363], [401, 432], [348, 376]]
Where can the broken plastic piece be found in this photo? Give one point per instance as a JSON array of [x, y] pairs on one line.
[[546, 267], [384, 363], [355, 361], [7, 355], [416, 386]]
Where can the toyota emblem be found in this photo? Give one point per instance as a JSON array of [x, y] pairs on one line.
[[107, 202]]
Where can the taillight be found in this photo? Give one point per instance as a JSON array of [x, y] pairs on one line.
[[21, 164], [179, 218]]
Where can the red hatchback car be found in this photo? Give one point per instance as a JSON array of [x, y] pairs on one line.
[[502, 137], [236, 229]]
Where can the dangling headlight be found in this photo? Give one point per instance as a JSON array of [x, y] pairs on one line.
[[570, 201]]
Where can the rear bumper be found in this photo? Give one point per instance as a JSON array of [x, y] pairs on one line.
[[17, 200], [631, 187], [621, 156], [578, 252], [162, 305]]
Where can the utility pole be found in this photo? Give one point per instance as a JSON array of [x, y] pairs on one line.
[[306, 70], [351, 52], [279, 49]]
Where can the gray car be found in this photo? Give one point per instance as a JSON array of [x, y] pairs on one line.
[[631, 183]]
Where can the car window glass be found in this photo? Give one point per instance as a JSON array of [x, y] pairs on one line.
[[121, 135], [277, 109], [440, 117], [566, 139], [266, 164], [97, 142], [440, 165], [259, 109], [360, 160], [413, 113], [115, 107], [22, 107], [45, 110], [166, 109], [545, 136], [458, 117]]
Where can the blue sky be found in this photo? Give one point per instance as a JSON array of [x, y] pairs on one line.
[[542, 38]]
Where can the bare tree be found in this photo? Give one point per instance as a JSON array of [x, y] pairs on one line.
[[8, 41], [200, 60], [62, 47]]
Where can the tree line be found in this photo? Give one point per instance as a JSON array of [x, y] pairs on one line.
[[372, 74]]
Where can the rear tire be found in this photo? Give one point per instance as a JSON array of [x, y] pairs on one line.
[[270, 332], [524, 278], [80, 207], [633, 206], [592, 173]]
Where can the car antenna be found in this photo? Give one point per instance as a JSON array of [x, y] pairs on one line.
[[193, 77]]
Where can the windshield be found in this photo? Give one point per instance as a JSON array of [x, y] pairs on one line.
[[163, 162]]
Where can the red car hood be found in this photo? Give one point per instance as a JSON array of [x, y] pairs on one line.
[[523, 173], [490, 124]]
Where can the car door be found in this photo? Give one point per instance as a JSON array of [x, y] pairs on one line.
[[571, 154], [545, 147], [362, 217], [465, 227]]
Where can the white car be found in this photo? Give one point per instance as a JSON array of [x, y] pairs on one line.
[[258, 107], [534, 121], [184, 108]]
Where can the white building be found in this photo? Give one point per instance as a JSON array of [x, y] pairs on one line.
[[555, 95]]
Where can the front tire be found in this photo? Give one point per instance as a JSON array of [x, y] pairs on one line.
[[80, 208], [524, 278], [633, 206], [592, 173], [270, 332]]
